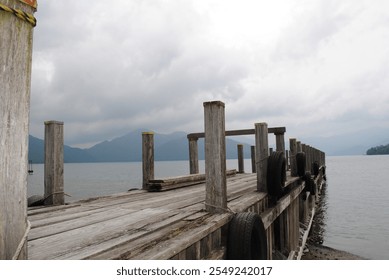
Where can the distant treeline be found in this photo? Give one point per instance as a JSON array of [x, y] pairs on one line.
[[379, 150]]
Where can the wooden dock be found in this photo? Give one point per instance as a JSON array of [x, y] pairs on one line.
[[143, 225], [217, 215]]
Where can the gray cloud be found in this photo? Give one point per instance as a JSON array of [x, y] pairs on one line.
[[108, 69]]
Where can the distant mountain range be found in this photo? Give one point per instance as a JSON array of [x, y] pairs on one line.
[[128, 148], [174, 146]]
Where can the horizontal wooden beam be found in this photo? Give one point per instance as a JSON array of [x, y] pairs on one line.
[[240, 132]]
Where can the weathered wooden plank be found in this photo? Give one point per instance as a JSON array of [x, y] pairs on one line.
[[215, 157], [147, 158], [54, 164], [151, 236], [172, 183], [262, 154], [192, 234], [271, 214], [57, 245], [16, 37], [239, 132]]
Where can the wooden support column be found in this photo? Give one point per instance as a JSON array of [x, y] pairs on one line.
[[215, 157], [240, 158], [280, 142], [193, 156], [253, 165], [54, 182], [147, 158], [292, 156], [16, 37], [262, 154], [299, 147]]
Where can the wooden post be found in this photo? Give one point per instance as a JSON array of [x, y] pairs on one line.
[[54, 183], [253, 165], [15, 80], [147, 158], [193, 156], [292, 156], [215, 157], [262, 154], [299, 147], [287, 160], [280, 142], [240, 159]]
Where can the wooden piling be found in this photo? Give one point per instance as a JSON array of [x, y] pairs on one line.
[[262, 154], [292, 156], [215, 157], [240, 158], [147, 158], [16, 37], [253, 165], [53, 178], [193, 156]]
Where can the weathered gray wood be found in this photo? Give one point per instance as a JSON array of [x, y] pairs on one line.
[[15, 59], [253, 165], [292, 156], [180, 181], [193, 156], [262, 154], [299, 147], [240, 158], [147, 158], [269, 216], [215, 157], [274, 130], [54, 168]]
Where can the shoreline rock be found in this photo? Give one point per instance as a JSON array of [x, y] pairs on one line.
[[321, 252]]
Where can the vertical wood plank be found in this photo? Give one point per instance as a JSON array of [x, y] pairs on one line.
[[54, 169], [193, 156], [215, 157], [292, 156], [147, 158], [253, 165], [240, 158], [16, 41], [262, 153]]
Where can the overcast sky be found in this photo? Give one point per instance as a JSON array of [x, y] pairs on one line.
[[106, 68]]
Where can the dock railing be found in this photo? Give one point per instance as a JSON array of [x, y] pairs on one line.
[[289, 204]]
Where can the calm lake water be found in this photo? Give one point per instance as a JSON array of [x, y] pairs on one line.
[[356, 211]]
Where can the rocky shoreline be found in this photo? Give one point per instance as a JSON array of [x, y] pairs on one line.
[[320, 252]]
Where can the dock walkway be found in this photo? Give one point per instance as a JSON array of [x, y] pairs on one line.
[[138, 224]]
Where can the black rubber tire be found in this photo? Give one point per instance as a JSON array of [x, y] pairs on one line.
[[300, 161], [276, 174], [246, 238], [35, 200], [315, 168]]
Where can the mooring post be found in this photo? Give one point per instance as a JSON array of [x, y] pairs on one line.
[[292, 156], [147, 158], [215, 157], [193, 156], [253, 165], [262, 154], [240, 158], [299, 147], [16, 34], [53, 170]]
